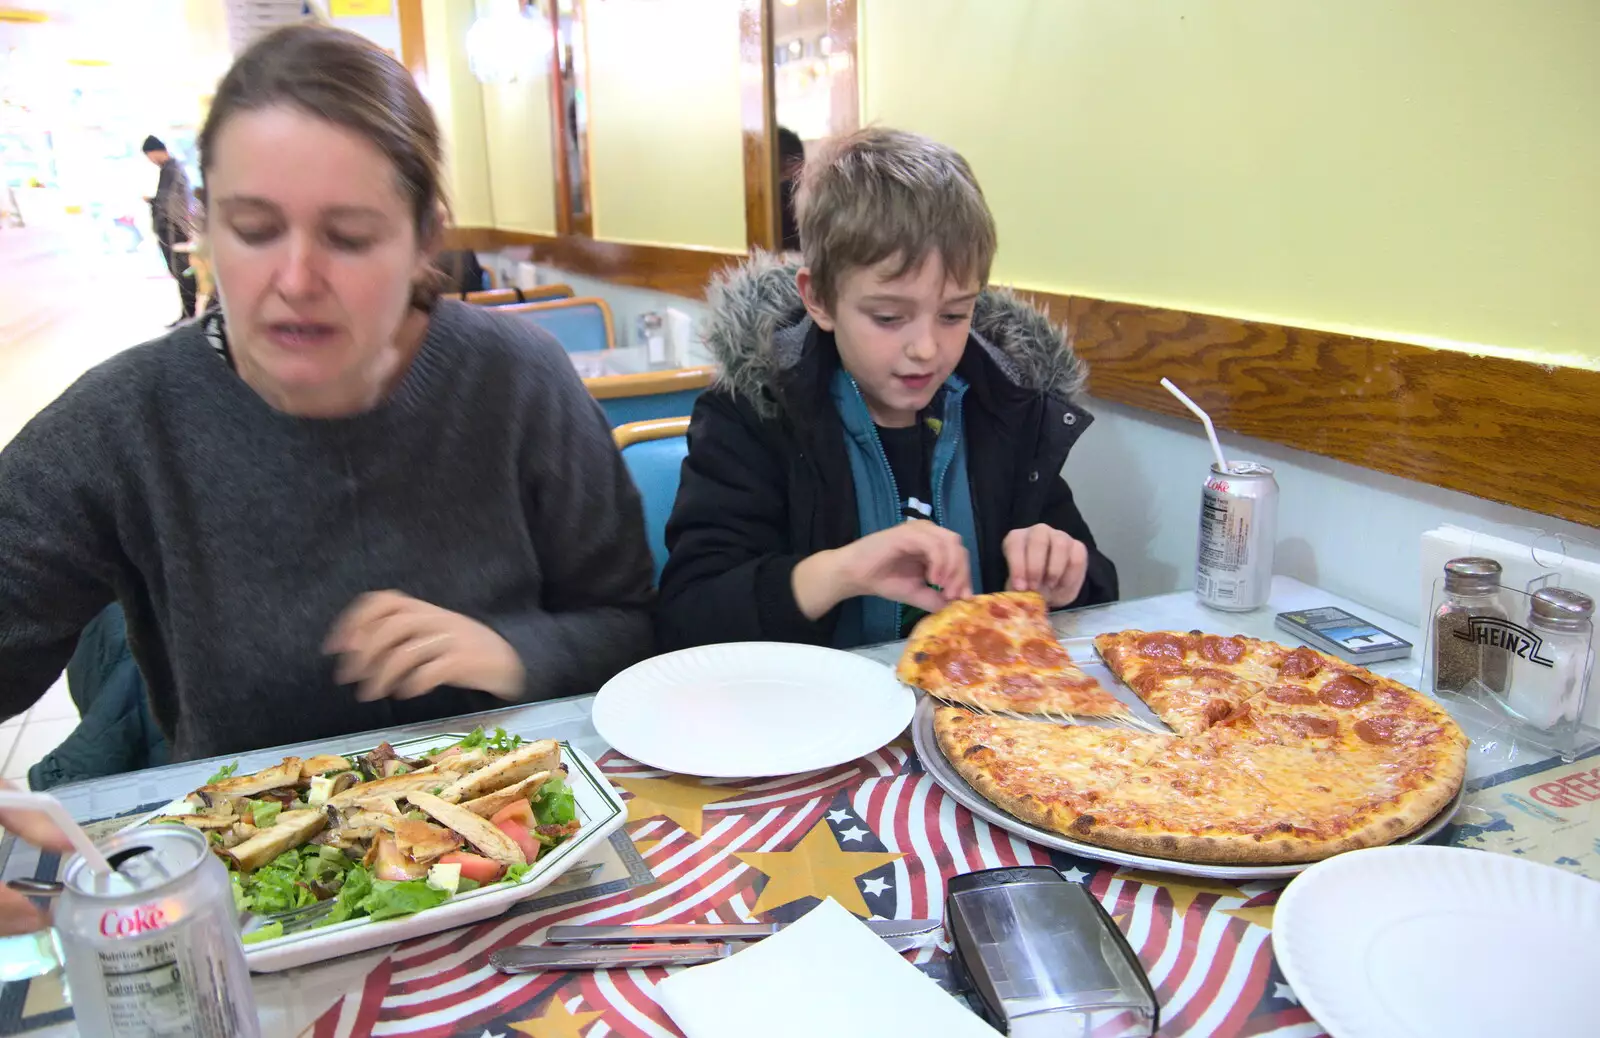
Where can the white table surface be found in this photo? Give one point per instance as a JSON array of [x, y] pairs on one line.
[[290, 1001], [633, 360]]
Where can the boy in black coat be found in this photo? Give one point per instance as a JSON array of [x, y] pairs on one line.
[[887, 434]]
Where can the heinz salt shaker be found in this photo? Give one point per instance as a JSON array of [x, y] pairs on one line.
[[1465, 650], [1552, 670]]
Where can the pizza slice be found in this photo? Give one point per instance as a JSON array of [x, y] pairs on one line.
[[1191, 681], [1046, 774], [999, 653]]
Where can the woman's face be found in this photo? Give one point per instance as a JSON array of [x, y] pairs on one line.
[[316, 253]]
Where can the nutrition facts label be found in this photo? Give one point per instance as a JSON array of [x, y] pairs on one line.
[[149, 991]]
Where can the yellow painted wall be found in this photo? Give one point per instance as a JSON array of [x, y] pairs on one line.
[[458, 103], [1426, 170], [666, 155], [516, 122]]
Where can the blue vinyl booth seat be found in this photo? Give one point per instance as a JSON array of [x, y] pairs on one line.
[[654, 453], [580, 324], [649, 394]]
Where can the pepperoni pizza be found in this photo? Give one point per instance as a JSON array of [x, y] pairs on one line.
[[999, 653], [1281, 755]]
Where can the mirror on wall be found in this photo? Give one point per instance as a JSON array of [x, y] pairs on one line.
[[813, 87], [569, 99]]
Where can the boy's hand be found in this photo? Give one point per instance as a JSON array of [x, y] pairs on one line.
[[898, 564], [1043, 559]]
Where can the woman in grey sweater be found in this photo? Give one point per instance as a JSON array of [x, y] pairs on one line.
[[339, 504]]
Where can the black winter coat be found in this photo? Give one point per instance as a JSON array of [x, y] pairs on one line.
[[767, 481]]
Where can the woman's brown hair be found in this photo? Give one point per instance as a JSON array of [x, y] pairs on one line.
[[349, 81]]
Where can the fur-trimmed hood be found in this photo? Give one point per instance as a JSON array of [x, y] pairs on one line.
[[758, 328]]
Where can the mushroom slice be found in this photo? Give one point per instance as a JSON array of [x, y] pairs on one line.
[[515, 766], [485, 837], [290, 830], [486, 806]]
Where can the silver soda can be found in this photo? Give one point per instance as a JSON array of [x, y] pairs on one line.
[[1238, 531], [154, 948]]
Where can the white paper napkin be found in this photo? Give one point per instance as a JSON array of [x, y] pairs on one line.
[[824, 974]]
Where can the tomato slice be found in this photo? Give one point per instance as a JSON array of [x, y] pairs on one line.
[[475, 867], [519, 811], [523, 838]]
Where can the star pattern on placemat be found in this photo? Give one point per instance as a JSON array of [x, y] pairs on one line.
[[817, 867], [1260, 915], [1183, 892], [681, 799], [556, 1022]]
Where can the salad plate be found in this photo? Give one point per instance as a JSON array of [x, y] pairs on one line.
[[282, 883]]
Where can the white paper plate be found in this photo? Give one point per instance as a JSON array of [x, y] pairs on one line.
[[600, 812], [1418, 942], [752, 709]]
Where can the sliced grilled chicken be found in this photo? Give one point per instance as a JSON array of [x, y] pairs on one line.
[[292, 829], [515, 766], [486, 806], [202, 822], [488, 839], [286, 773], [423, 778], [322, 764]]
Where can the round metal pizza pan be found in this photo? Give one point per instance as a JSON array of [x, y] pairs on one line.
[[933, 759]]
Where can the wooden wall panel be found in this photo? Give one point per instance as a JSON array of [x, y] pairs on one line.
[[679, 271], [1507, 430], [413, 52]]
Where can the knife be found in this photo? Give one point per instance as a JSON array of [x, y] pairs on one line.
[[532, 958], [634, 932]]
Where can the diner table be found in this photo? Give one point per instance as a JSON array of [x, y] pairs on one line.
[[635, 360], [876, 834]]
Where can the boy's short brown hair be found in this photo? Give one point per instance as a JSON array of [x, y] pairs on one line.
[[878, 194]]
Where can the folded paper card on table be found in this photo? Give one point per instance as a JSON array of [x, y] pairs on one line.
[[824, 974]]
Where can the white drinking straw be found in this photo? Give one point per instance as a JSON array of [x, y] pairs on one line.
[[1205, 419], [50, 807]]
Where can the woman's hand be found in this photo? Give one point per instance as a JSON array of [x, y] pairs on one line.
[[399, 646], [1043, 559], [917, 563], [17, 914]]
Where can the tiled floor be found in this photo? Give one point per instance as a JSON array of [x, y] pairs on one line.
[[64, 307]]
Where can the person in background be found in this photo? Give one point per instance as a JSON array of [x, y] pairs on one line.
[[200, 259], [887, 433], [791, 157], [172, 217], [340, 503]]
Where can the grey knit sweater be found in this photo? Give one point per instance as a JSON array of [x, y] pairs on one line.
[[234, 535]]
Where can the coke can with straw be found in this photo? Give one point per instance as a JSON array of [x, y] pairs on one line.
[[1238, 527], [147, 925]]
